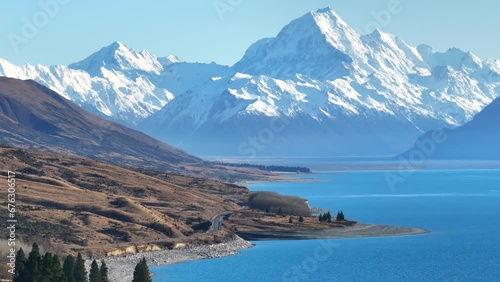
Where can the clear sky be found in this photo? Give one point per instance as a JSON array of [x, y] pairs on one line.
[[195, 30]]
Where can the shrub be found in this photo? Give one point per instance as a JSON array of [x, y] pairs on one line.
[[276, 203]]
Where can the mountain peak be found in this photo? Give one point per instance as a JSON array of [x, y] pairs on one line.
[[329, 11], [117, 56], [318, 43]]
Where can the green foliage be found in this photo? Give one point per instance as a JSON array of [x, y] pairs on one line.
[[46, 267], [38, 268], [301, 219], [104, 272], [325, 218], [340, 216], [80, 273], [95, 273], [20, 263], [141, 272], [57, 271], [320, 217], [31, 272], [290, 220], [69, 268], [328, 217]]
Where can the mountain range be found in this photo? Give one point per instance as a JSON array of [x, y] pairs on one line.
[[319, 88]]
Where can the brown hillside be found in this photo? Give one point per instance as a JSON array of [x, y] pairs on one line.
[[71, 202]]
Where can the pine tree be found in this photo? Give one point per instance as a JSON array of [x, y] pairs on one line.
[[141, 272], [20, 264], [328, 217], [340, 216], [301, 219], [57, 271], [320, 217], [80, 273], [69, 268], [46, 267], [31, 272], [290, 220], [324, 217], [104, 272], [95, 273]]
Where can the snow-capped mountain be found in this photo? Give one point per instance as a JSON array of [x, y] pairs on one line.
[[320, 88], [117, 82], [317, 88]]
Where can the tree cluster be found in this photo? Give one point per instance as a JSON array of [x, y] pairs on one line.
[[275, 168], [327, 217], [340, 216], [37, 267], [47, 268], [280, 204]]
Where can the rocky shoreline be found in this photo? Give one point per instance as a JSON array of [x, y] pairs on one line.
[[122, 268]]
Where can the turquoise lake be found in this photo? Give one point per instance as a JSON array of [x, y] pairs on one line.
[[461, 208]]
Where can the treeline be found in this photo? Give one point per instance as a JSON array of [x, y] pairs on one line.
[[270, 168], [327, 217], [47, 268], [275, 203]]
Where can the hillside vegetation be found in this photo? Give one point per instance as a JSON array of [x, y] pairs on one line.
[[276, 203]]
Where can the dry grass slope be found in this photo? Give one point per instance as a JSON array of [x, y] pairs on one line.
[[74, 203]]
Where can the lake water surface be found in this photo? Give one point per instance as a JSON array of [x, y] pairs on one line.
[[461, 208]]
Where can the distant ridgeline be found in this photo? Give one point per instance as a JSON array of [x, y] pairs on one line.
[[271, 168]]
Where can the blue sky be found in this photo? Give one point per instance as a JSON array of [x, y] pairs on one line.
[[195, 30]]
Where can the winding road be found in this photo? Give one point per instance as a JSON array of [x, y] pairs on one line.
[[217, 222]]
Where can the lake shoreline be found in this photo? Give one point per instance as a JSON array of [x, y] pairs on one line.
[[358, 230], [121, 268]]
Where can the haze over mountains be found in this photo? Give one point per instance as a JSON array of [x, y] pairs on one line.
[[318, 88], [476, 140], [33, 116]]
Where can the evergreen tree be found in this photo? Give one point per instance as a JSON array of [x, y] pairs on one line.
[[57, 271], [324, 217], [80, 273], [328, 217], [141, 272], [95, 273], [301, 219], [104, 272], [320, 217], [20, 264], [340, 216], [31, 272], [46, 267], [290, 220], [69, 268]]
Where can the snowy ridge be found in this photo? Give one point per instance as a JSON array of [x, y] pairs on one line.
[[320, 72], [117, 82], [336, 90]]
